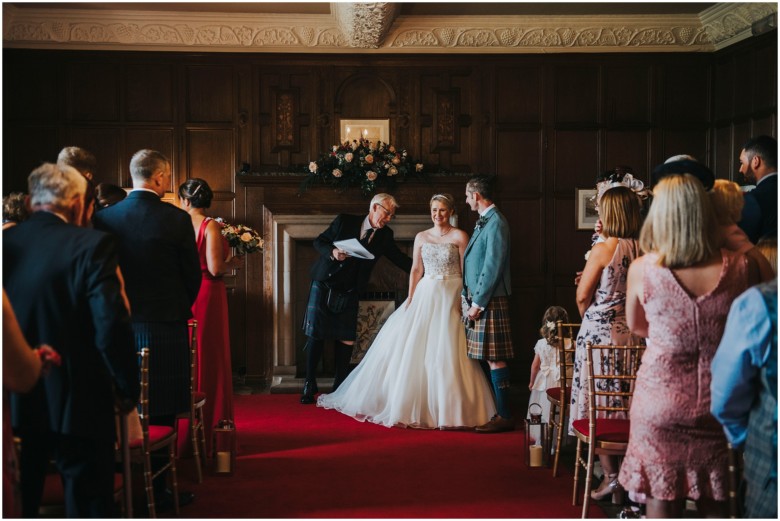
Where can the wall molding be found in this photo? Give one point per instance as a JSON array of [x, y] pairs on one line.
[[375, 29]]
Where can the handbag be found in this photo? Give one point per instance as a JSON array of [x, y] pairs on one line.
[[338, 300]]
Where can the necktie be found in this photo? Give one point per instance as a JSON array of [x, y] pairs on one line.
[[367, 237]]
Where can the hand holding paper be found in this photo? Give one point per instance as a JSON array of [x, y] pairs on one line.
[[354, 248]]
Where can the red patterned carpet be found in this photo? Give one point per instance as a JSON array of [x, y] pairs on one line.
[[299, 461]]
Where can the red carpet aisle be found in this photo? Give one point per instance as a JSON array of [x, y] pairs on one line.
[[300, 461]]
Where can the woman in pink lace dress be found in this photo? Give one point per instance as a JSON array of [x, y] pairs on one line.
[[601, 299], [678, 297]]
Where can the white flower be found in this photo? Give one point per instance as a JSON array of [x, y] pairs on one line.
[[335, 148], [550, 325], [313, 167], [246, 237], [587, 254], [371, 175], [418, 167], [336, 172], [348, 157], [393, 171]]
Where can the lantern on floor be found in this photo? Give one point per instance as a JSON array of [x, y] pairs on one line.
[[536, 455], [224, 443]]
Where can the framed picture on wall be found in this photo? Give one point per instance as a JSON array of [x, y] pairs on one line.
[[370, 129], [585, 208]]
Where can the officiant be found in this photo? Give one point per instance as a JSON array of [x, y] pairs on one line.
[[338, 278]]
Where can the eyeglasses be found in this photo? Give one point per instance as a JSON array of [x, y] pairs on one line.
[[391, 215]]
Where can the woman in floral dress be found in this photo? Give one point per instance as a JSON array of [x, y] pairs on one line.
[[601, 300]]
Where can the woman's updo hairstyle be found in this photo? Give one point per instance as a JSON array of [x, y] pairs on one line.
[[446, 199], [197, 191]]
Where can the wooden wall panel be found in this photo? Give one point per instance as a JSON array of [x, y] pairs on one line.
[[577, 94], [525, 217], [724, 164], [211, 156], [210, 94], [628, 91], [683, 141], [723, 89], [24, 149], [630, 148], [31, 93], [520, 92], [93, 91], [105, 144], [685, 94], [568, 245], [576, 160], [149, 89], [518, 161], [764, 78]]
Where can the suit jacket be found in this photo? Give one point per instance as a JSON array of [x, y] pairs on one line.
[[62, 283], [157, 254], [354, 273], [486, 260], [759, 215]]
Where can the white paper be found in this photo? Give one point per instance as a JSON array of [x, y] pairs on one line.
[[354, 248]]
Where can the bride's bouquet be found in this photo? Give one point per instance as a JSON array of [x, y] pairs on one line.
[[243, 238]]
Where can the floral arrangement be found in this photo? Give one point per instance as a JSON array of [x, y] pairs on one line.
[[243, 238], [362, 163]]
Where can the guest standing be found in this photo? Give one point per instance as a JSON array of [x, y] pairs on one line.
[[61, 281], [337, 280], [82, 160], [545, 371], [159, 261], [215, 377], [601, 300], [679, 294], [744, 392], [758, 164], [486, 289], [14, 209]]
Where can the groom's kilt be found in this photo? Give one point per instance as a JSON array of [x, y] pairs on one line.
[[323, 324], [491, 336]]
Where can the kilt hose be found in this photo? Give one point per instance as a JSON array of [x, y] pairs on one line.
[[491, 336], [321, 323]]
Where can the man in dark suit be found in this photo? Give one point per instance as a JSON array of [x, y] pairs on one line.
[[62, 281], [758, 163], [337, 280], [159, 261]]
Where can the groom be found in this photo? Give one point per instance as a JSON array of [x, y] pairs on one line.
[[486, 289], [337, 280]]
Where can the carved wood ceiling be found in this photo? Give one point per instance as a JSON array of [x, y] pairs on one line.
[[383, 27]]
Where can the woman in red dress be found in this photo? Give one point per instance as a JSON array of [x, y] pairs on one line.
[[215, 376]]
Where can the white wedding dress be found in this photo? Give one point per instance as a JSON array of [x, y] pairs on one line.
[[416, 373]]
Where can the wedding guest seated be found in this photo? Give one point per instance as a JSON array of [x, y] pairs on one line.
[[727, 201], [14, 209], [108, 194], [601, 300], [744, 392], [678, 297]]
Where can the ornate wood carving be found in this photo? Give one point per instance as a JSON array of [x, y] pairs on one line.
[[285, 111], [447, 113]]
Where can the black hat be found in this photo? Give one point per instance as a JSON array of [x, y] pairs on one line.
[[685, 166]]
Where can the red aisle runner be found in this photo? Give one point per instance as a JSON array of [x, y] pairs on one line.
[[300, 461]]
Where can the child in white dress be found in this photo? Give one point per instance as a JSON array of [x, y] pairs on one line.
[[545, 372]]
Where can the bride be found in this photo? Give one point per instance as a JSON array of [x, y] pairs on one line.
[[417, 373]]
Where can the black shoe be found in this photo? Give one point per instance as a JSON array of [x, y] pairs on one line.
[[165, 500], [309, 390]]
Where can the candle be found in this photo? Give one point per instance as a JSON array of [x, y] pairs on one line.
[[223, 462], [536, 455]]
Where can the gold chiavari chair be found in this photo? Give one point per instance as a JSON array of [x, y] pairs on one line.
[[197, 401], [560, 396], [611, 376]]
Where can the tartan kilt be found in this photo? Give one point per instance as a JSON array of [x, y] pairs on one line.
[[169, 365], [491, 336], [321, 323]]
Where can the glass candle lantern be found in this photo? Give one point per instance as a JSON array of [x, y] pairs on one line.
[[536, 455], [224, 443]]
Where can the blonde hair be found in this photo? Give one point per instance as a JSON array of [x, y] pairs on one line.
[[619, 211], [768, 248], [446, 199], [680, 226], [381, 199], [549, 329], [727, 201]]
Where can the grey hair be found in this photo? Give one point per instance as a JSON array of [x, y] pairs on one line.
[[381, 198], [55, 185], [145, 163], [681, 157]]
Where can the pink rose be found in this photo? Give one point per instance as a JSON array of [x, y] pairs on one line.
[[369, 159], [418, 167], [392, 149], [393, 171], [246, 236], [371, 175], [313, 167], [396, 161], [336, 172]]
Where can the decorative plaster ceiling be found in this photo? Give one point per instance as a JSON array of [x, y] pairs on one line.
[[384, 27]]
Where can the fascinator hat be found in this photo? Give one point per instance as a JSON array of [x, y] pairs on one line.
[[684, 164], [621, 176]]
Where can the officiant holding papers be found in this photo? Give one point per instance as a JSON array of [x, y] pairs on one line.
[[338, 278]]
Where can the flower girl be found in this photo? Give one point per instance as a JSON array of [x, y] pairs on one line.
[[544, 369]]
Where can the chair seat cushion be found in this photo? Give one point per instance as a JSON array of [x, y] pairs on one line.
[[555, 393], [156, 433], [606, 429]]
